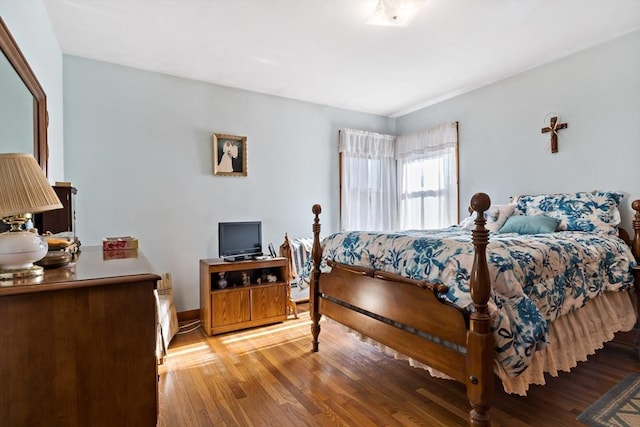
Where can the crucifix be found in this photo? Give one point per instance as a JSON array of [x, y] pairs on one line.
[[554, 127]]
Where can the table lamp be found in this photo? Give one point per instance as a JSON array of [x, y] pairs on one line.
[[24, 190]]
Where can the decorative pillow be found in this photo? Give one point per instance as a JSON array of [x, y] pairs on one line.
[[495, 216], [467, 223], [523, 224], [595, 211]]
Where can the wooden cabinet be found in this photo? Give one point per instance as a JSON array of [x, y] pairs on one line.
[[78, 345], [59, 220], [238, 305]]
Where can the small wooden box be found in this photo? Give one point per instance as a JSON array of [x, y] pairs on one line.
[[119, 243]]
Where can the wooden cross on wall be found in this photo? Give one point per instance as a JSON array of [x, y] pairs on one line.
[[554, 127]]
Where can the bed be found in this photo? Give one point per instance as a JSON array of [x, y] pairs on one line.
[[451, 324]]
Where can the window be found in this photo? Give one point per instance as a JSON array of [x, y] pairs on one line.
[[367, 181], [428, 178], [425, 201], [408, 182]]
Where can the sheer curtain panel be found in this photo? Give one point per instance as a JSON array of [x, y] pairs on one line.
[[428, 177], [368, 196]]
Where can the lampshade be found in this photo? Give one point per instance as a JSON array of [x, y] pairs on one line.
[[23, 186], [24, 189]]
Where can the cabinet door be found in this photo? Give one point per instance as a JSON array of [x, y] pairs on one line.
[[230, 307], [268, 302]]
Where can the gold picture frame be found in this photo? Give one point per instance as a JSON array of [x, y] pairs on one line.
[[229, 155]]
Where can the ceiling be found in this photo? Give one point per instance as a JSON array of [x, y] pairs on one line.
[[322, 51]]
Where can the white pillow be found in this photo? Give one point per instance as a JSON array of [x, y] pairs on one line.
[[467, 223], [496, 216]]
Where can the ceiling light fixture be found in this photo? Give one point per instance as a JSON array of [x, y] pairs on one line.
[[395, 13]]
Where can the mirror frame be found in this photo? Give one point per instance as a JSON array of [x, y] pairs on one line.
[[12, 52]]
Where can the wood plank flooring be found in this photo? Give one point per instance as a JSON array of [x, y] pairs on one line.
[[269, 377]]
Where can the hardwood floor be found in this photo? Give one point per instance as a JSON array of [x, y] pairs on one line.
[[269, 377]]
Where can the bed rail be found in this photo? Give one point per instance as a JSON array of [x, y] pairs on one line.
[[437, 288]]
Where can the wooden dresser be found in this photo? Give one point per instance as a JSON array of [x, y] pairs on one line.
[[77, 347]]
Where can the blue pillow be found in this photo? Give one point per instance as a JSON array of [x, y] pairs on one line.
[[536, 224]]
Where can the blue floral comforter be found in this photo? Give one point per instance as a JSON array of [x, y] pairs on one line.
[[536, 278]]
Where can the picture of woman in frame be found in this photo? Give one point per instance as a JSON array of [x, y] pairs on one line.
[[229, 155]]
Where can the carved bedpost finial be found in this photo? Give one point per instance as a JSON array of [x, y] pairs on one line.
[[479, 337], [635, 246], [480, 202], [314, 293]]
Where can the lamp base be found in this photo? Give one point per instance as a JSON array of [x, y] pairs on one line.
[[21, 273], [19, 249]]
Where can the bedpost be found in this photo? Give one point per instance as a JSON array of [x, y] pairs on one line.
[[314, 294], [635, 245], [286, 251], [480, 346]]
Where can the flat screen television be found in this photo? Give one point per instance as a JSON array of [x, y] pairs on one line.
[[239, 240]]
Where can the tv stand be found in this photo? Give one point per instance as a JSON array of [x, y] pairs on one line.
[[230, 306]]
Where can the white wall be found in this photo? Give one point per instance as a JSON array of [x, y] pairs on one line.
[[502, 149], [138, 148], [30, 26]]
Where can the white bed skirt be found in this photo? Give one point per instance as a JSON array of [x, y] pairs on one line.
[[572, 338]]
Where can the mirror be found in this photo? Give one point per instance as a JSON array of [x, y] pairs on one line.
[[23, 103]]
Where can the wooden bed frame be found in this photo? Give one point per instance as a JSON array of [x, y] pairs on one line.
[[368, 292]]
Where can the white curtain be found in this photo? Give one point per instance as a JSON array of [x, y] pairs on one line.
[[368, 181], [428, 178]]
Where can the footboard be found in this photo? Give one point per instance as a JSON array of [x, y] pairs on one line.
[[391, 310]]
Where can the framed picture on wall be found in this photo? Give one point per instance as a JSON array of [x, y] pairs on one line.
[[229, 155]]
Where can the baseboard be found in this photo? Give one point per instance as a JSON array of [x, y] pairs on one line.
[[189, 315]]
